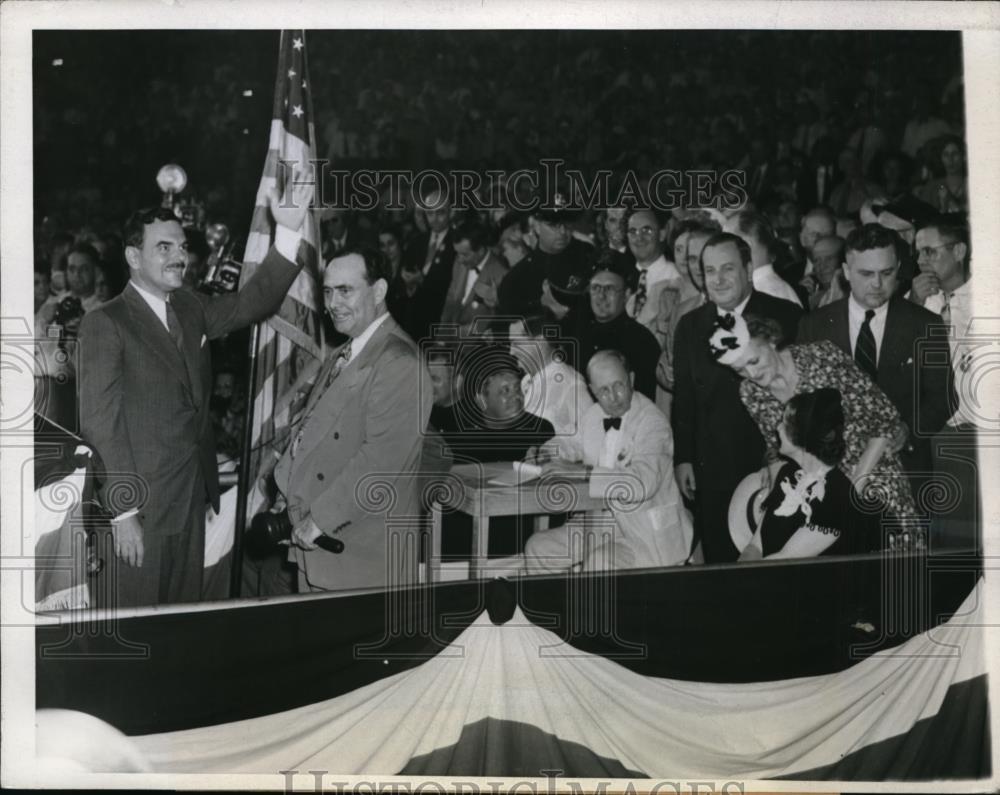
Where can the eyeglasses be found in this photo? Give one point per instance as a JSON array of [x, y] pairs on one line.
[[604, 289], [645, 232], [931, 251]]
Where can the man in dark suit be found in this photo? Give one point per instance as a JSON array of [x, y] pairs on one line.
[[890, 338], [560, 259], [716, 443], [145, 383], [472, 296], [353, 462], [432, 256], [338, 233]]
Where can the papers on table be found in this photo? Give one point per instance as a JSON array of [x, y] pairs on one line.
[[520, 472]]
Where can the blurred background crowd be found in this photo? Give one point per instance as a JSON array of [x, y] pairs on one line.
[[852, 122]]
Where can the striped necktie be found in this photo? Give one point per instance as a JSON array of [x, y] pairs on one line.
[[865, 352], [338, 365], [640, 293], [174, 327]]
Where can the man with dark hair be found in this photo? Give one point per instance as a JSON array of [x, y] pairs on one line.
[[477, 272], [716, 443], [609, 325], [81, 263], [890, 339], [429, 259], [145, 387], [364, 419]]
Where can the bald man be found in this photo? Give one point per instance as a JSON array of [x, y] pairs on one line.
[[624, 448]]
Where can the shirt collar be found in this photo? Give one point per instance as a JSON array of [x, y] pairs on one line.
[[737, 310], [482, 262], [151, 299], [858, 311], [359, 342], [626, 415]]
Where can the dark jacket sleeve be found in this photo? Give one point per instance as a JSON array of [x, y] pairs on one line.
[[102, 410], [259, 297], [937, 399], [683, 408], [647, 358]]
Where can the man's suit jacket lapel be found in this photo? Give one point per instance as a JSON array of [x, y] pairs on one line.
[[192, 345], [896, 345], [326, 404], [842, 329], [152, 334], [711, 370]]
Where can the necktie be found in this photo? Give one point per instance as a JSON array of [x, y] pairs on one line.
[[640, 293], [612, 422], [865, 352], [338, 365], [946, 310], [174, 327], [432, 247]]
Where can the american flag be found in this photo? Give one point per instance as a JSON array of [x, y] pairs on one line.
[[289, 345]]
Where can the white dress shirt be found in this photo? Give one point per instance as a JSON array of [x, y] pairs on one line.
[[359, 342], [964, 348], [767, 281], [432, 246], [736, 310], [660, 273], [473, 276], [285, 241], [612, 443], [856, 318]]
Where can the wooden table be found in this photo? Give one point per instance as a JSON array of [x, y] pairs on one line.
[[467, 489]]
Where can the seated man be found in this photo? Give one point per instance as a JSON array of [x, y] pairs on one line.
[[492, 426], [625, 449]]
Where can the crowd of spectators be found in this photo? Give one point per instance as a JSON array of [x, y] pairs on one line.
[[831, 132]]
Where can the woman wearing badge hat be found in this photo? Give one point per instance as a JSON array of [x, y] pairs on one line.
[[774, 374]]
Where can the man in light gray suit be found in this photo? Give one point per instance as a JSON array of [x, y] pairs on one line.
[[351, 469]]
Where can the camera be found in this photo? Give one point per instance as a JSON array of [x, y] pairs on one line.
[[269, 529], [68, 314]]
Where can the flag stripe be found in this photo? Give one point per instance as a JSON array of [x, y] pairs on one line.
[[292, 338]]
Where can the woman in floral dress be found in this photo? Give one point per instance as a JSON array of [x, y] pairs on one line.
[[873, 432]]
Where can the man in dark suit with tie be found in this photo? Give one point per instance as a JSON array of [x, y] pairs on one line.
[[432, 255], [145, 384], [472, 295], [892, 340], [716, 443]]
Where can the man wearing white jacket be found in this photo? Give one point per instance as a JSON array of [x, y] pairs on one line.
[[624, 448]]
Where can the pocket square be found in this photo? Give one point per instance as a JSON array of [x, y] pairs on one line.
[[203, 340]]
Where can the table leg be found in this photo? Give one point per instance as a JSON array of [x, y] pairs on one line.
[[480, 545], [434, 560]]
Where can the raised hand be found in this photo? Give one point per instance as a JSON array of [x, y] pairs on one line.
[[290, 210]]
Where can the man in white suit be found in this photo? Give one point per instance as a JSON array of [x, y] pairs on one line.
[[624, 448]]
